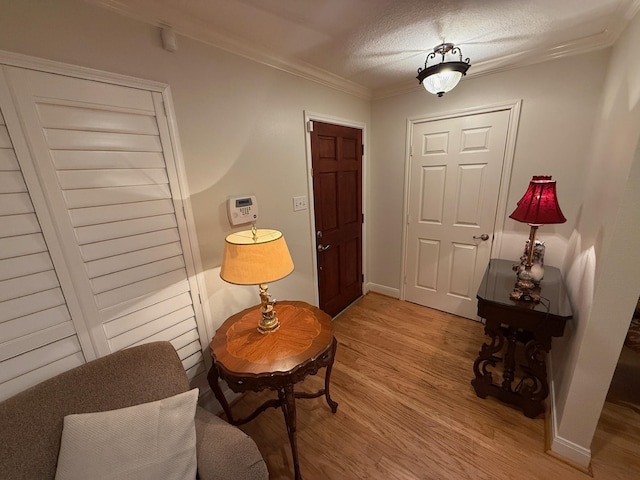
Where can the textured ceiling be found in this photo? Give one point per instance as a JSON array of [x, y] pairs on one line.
[[376, 46]]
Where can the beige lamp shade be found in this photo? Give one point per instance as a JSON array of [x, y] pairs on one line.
[[255, 257]]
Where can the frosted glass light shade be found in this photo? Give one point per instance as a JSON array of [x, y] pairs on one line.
[[442, 82], [255, 260]]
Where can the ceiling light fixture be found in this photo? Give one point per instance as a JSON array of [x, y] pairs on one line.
[[444, 76]]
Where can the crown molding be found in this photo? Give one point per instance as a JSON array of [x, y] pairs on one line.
[[199, 31]]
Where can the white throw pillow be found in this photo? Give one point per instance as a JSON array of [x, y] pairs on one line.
[[155, 440]]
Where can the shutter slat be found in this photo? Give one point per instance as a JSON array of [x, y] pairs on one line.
[[27, 285], [12, 182], [15, 204], [198, 369], [135, 319], [172, 290], [77, 118], [20, 307], [18, 384], [82, 160], [23, 245], [132, 259], [34, 359], [95, 251], [35, 340], [139, 289], [185, 339], [192, 360], [131, 276], [114, 195], [25, 265], [30, 324], [72, 179], [126, 228], [12, 225], [80, 140], [8, 160], [169, 333], [171, 325], [5, 141], [82, 217]]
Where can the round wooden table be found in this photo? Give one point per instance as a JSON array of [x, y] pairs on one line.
[[251, 361]]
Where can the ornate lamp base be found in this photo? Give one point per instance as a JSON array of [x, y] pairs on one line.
[[269, 322]]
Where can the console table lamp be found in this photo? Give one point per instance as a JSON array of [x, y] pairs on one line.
[[257, 257], [539, 206]]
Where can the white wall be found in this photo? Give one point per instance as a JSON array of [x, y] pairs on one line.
[[603, 259], [558, 111], [241, 124]]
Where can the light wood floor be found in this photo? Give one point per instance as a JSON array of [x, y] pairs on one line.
[[407, 410]]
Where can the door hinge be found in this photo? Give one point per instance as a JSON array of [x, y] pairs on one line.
[[363, 218], [411, 150], [310, 126], [363, 149], [362, 278]]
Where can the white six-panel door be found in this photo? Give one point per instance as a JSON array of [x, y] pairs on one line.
[[103, 159], [454, 182]]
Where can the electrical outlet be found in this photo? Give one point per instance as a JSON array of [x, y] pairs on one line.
[[299, 203]]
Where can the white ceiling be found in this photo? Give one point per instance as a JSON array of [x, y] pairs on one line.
[[374, 47]]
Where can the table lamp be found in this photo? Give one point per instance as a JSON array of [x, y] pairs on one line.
[[257, 257], [539, 206]]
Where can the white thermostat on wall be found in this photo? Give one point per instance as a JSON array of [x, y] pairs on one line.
[[242, 209]]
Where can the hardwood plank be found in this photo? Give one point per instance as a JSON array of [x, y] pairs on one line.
[[407, 410]]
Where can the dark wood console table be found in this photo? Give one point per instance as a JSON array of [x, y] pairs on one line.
[[250, 361], [520, 331]]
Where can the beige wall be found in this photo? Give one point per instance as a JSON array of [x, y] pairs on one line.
[[559, 100], [603, 259], [241, 124], [241, 128]]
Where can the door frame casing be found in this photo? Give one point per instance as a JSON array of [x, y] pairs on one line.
[[181, 198], [514, 108], [310, 116]]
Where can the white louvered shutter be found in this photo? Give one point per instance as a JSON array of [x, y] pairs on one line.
[[37, 337], [105, 161]]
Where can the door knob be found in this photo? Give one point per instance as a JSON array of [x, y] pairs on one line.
[[322, 248], [484, 237]]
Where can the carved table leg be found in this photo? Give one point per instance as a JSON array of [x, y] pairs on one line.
[[487, 358], [535, 387], [509, 360], [213, 378], [327, 378], [288, 403]]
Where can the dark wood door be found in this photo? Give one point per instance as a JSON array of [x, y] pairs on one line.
[[337, 191]]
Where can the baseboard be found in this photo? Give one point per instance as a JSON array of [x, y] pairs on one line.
[[383, 290], [568, 452]]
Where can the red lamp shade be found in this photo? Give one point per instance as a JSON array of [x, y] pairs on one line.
[[539, 205]]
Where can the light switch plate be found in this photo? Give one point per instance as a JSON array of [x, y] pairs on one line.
[[299, 203]]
